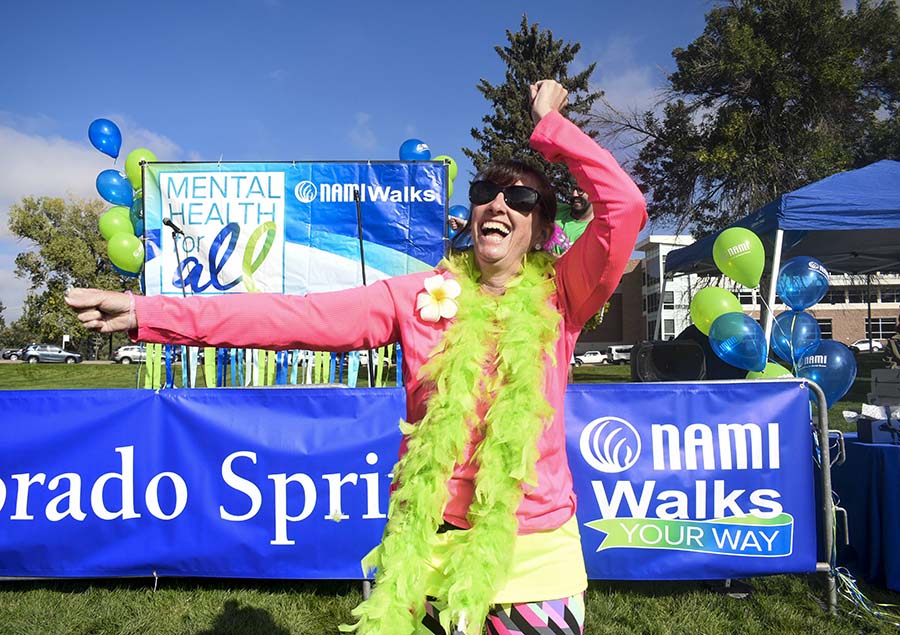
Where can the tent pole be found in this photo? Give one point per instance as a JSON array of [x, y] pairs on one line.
[[773, 279], [657, 335]]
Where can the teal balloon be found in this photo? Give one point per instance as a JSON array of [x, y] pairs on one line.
[[832, 367], [739, 340], [136, 214]]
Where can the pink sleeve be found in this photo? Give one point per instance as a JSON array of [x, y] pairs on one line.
[[589, 272], [354, 319]]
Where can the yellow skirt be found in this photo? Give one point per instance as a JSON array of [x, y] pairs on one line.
[[546, 565]]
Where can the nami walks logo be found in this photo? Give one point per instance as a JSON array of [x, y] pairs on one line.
[[693, 488]]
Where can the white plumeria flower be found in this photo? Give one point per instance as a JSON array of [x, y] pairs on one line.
[[439, 299]]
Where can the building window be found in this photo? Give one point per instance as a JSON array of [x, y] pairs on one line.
[[835, 295], [669, 300], [880, 328], [825, 326], [856, 295], [651, 329], [890, 294], [668, 329], [652, 303]]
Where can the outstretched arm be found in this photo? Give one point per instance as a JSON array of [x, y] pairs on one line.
[[589, 272]]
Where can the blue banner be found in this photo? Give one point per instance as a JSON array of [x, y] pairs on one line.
[[289, 227], [674, 481]]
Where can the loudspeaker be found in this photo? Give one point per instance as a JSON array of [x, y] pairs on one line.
[[675, 360]]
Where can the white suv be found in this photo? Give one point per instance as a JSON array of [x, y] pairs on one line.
[[129, 354], [619, 353]]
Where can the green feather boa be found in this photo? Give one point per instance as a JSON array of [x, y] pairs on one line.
[[514, 331]]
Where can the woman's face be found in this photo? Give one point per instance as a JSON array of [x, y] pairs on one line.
[[501, 236]]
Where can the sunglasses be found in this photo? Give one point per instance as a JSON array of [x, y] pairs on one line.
[[518, 197]]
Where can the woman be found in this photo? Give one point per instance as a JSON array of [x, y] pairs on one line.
[[482, 513]]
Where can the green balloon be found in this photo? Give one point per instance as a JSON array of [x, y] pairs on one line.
[[133, 165], [710, 303], [116, 220], [452, 168], [771, 371], [740, 255], [126, 251]]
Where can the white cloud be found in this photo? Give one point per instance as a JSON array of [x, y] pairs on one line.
[[361, 135], [35, 163]]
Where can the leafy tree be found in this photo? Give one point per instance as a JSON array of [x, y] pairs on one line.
[[532, 55], [773, 95], [68, 250]]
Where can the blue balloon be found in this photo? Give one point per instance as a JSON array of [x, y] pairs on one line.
[[415, 150], [795, 334], [105, 136], [114, 187], [122, 272], [457, 211], [832, 366], [739, 340], [802, 282]]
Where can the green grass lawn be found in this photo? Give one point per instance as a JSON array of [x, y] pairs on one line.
[[777, 604]]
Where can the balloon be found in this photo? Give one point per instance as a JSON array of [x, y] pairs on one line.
[[136, 215], [802, 282], [452, 168], [740, 255], [133, 165], [126, 252], [105, 136], [450, 189], [115, 188], [795, 334], [114, 221], [414, 150], [832, 366], [709, 303], [739, 340], [127, 274], [771, 371], [458, 211]]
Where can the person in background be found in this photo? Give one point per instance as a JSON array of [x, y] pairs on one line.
[[481, 529], [892, 349], [574, 217]]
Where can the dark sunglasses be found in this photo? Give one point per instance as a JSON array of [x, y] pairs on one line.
[[518, 197]]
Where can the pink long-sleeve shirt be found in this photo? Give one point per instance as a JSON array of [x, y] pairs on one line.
[[384, 312]]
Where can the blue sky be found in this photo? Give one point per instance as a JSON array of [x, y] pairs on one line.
[[278, 80]]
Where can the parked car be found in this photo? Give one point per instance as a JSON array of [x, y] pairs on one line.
[[619, 353], [129, 354], [49, 353], [590, 357], [862, 346], [11, 353], [364, 358]]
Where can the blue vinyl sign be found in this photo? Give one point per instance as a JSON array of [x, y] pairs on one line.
[[674, 481], [289, 227]]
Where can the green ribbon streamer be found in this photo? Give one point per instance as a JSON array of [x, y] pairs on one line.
[[251, 264]]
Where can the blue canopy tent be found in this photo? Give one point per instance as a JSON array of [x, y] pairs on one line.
[[850, 221]]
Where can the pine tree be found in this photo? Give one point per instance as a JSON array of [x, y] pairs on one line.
[[533, 54]]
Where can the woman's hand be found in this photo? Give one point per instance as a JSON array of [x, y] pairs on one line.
[[546, 96], [103, 311]]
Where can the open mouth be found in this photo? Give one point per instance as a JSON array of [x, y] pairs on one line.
[[494, 230]]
